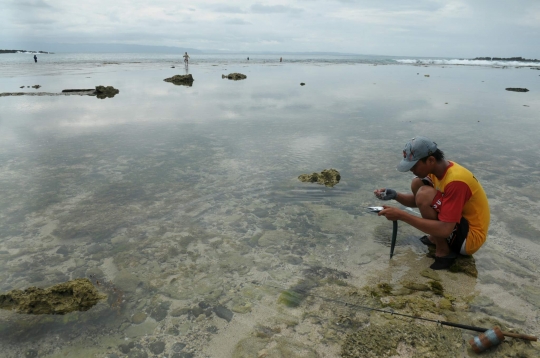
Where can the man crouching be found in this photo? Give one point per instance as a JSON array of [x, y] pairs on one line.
[[453, 204]]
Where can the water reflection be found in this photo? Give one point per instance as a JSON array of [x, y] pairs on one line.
[[186, 199]]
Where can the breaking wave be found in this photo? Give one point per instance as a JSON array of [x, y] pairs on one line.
[[464, 62]]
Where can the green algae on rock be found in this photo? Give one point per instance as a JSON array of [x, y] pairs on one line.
[[235, 76], [328, 177], [463, 264], [103, 92], [402, 338], [466, 265], [436, 287], [291, 298], [75, 295]]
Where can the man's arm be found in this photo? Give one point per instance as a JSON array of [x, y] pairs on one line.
[[406, 199], [402, 198], [434, 228]]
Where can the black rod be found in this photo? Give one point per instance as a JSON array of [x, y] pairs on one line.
[[445, 323]]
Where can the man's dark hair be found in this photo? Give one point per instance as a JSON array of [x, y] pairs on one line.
[[438, 155]]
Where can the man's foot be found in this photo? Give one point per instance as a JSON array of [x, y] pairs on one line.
[[442, 263], [426, 241]]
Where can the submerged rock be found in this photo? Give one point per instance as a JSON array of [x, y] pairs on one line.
[[517, 89], [234, 76], [223, 312], [181, 80], [75, 295], [328, 177]]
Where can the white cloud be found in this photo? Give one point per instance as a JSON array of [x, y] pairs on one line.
[[461, 28], [273, 9], [237, 22]]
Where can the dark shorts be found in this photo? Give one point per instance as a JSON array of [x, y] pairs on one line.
[[458, 235], [461, 230]]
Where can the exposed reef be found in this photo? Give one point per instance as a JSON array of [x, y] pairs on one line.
[[328, 177], [181, 80], [103, 92], [517, 89], [24, 51], [75, 295], [100, 92], [77, 93], [235, 76]]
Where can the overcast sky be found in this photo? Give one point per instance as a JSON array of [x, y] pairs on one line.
[[454, 28]]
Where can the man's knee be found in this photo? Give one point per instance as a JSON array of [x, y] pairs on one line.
[[424, 196], [416, 184]]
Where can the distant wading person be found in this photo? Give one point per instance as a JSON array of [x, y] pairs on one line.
[[453, 204], [186, 58], [35, 58]]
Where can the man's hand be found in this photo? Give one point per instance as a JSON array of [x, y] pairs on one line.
[[385, 194], [391, 213]]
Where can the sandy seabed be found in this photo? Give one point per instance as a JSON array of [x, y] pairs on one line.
[[182, 205]]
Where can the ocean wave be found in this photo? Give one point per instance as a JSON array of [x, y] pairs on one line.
[[468, 62]]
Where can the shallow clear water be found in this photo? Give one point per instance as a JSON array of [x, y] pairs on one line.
[[183, 197]]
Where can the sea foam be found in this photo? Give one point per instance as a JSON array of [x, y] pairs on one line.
[[465, 62]]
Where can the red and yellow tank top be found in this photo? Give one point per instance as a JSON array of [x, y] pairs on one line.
[[463, 196]]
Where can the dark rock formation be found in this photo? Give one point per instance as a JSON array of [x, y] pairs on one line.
[[302, 84], [78, 90], [328, 177], [103, 92], [181, 80], [75, 295], [36, 86], [16, 51], [78, 93], [234, 76], [517, 89]]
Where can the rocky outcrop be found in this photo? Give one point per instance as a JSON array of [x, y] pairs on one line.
[[100, 92], [328, 177], [181, 80], [517, 89], [90, 92], [78, 90], [103, 92], [235, 76], [75, 295]]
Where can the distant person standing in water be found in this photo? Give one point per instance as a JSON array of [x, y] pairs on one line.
[[248, 58], [186, 58], [281, 59], [35, 58]]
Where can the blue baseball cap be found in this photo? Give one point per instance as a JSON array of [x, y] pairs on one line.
[[417, 148]]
